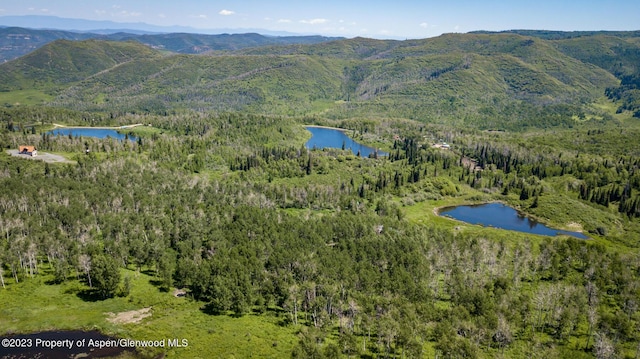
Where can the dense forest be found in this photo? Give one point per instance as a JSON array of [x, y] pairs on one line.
[[322, 253]]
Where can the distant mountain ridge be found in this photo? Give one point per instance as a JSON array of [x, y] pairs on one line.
[[18, 41], [109, 27], [560, 35]]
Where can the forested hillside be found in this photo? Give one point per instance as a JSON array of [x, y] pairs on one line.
[[66, 62], [485, 81], [214, 219], [620, 56]]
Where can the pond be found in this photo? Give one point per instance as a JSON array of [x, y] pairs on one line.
[[334, 138], [502, 216], [61, 344], [91, 132]]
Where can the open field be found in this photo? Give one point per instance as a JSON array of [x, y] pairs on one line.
[[38, 305], [24, 97], [42, 156]]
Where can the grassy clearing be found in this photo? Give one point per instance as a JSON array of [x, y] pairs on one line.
[[35, 305], [24, 97], [425, 213], [610, 107], [563, 210], [319, 106]]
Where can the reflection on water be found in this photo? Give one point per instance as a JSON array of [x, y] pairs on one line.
[[332, 138], [501, 216], [91, 132]]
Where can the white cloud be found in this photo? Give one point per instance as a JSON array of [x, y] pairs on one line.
[[31, 8], [201, 16], [226, 12], [424, 25], [162, 16], [116, 6], [284, 21], [100, 12], [125, 13], [457, 27], [385, 32], [315, 21]]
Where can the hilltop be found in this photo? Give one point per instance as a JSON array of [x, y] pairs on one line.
[[63, 62]]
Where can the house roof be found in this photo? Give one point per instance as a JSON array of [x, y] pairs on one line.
[[27, 148]]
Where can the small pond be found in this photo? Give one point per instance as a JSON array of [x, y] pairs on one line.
[[91, 132], [332, 138], [75, 344], [502, 216]]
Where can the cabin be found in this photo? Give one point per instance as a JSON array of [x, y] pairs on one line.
[[28, 150], [442, 145]]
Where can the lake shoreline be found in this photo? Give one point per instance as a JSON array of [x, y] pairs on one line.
[[571, 227], [327, 137], [328, 127], [56, 126], [438, 209], [95, 132]]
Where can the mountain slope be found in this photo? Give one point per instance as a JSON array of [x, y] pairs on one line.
[[487, 81], [618, 55], [535, 55], [63, 62], [273, 84], [463, 77], [356, 48], [560, 35]]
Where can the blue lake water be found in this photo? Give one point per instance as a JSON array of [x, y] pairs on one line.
[[501, 216], [90, 132], [330, 138]]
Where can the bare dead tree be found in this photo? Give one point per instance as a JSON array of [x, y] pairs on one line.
[[85, 264], [1, 276], [603, 348]]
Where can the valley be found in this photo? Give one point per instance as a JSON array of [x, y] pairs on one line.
[[226, 228]]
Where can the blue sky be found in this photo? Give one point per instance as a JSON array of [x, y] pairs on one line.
[[373, 18]]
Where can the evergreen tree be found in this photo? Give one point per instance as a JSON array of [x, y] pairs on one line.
[[106, 275]]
